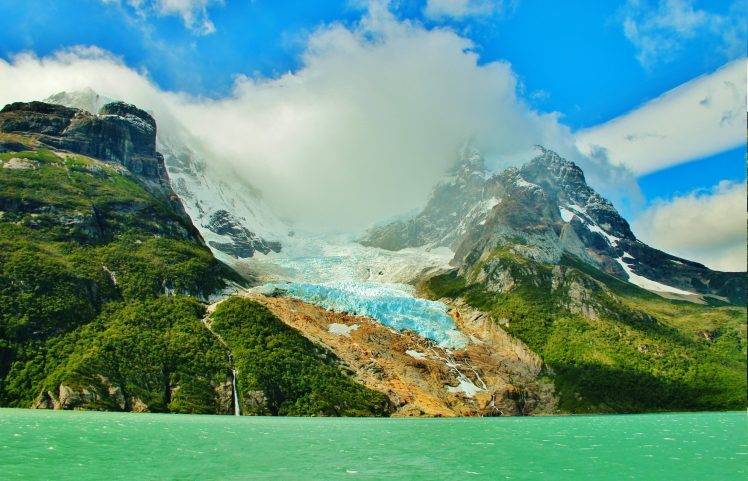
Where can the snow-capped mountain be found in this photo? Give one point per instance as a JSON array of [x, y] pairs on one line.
[[543, 211], [229, 213]]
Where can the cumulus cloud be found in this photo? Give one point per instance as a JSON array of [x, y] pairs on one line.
[[699, 118], [194, 13], [705, 226], [361, 132], [659, 31], [460, 9]]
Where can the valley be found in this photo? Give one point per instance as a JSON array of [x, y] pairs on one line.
[[136, 278]]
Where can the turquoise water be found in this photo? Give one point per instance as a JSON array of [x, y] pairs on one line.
[[48, 445]]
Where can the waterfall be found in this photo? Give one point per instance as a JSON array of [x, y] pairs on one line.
[[235, 394]]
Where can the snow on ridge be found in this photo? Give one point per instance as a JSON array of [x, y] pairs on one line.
[[578, 209], [566, 215], [416, 354], [646, 283], [612, 240], [581, 213], [520, 182]]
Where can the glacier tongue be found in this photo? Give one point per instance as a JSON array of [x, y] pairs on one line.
[[340, 275], [391, 304]]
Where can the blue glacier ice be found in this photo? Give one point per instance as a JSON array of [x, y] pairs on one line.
[[391, 304]]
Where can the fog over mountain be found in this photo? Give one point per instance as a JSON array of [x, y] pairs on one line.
[[361, 132]]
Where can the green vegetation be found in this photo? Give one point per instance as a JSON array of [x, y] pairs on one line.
[[280, 372], [152, 354], [640, 353], [89, 263], [101, 284]]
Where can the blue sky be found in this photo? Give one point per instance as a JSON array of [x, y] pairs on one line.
[[590, 61]]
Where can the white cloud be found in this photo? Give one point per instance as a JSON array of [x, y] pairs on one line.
[[361, 132], [460, 9], [659, 32], [708, 227], [700, 118], [194, 13]]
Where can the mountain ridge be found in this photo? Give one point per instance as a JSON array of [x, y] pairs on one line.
[[543, 209]]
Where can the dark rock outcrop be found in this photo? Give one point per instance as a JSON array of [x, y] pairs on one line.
[[244, 243], [120, 133]]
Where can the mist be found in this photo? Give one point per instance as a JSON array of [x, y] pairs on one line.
[[361, 132]]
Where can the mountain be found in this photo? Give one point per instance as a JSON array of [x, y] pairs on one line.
[[104, 282], [620, 326], [542, 211], [229, 213], [113, 233]]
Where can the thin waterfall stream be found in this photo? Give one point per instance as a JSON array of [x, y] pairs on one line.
[[234, 391]]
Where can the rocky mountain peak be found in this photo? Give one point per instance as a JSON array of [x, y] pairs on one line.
[[86, 99], [471, 158], [120, 133], [543, 211], [138, 117], [549, 167]]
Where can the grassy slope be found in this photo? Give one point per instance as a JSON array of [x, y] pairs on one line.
[[87, 257], [626, 363]]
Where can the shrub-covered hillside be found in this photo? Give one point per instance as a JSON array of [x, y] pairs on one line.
[[610, 346], [104, 280]]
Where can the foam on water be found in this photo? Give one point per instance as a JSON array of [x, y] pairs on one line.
[[391, 304]]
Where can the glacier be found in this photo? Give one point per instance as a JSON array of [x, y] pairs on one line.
[[393, 305], [340, 275], [331, 271]]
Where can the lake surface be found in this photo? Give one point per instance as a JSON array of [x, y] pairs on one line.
[[46, 445]]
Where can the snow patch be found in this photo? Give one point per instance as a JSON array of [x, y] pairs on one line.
[[465, 386], [491, 203], [416, 354], [578, 209], [520, 182], [566, 214], [341, 329], [645, 283], [612, 240]]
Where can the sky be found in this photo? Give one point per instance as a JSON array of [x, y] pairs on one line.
[[351, 110]]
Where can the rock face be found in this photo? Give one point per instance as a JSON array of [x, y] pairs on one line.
[[119, 133], [493, 375], [241, 243], [208, 194], [541, 212]]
